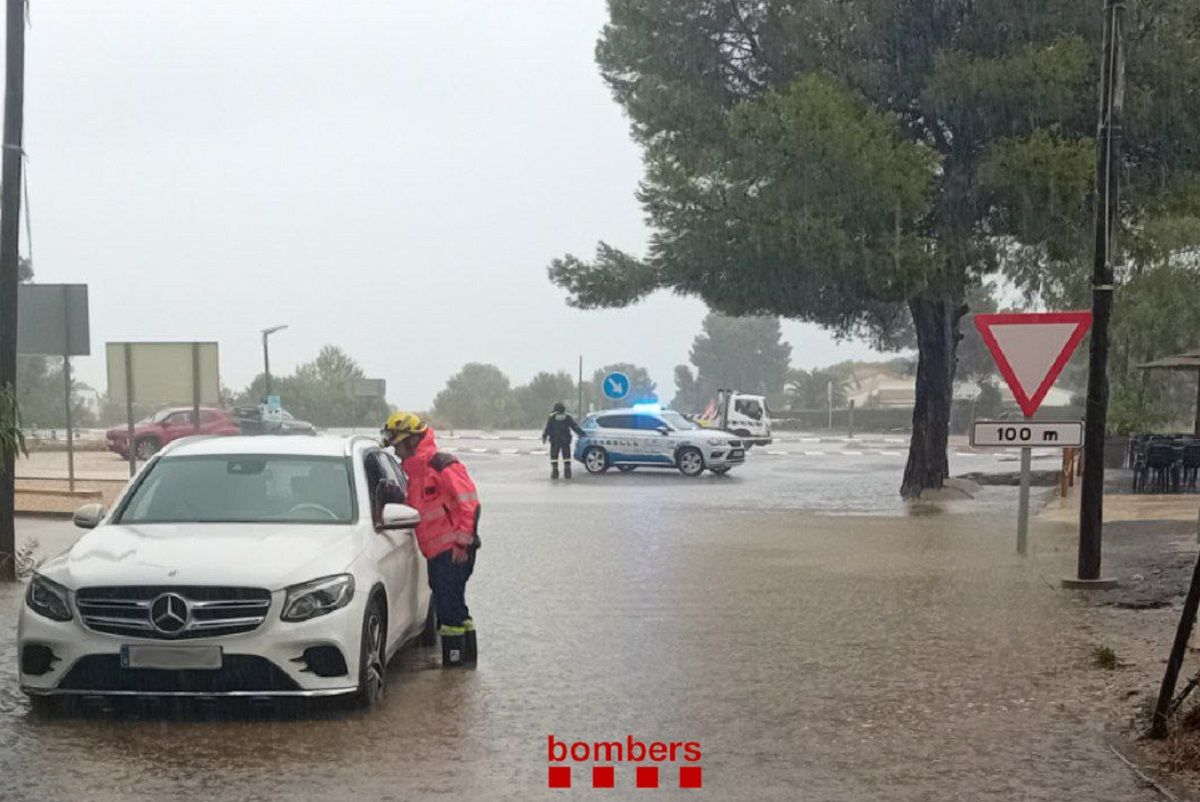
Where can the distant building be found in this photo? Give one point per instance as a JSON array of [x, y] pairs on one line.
[[880, 387]]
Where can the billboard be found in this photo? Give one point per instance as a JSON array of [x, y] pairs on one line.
[[164, 373], [53, 320]]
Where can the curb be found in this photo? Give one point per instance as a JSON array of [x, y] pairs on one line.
[[1164, 785]]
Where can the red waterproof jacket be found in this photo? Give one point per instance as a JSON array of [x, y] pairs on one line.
[[440, 489]]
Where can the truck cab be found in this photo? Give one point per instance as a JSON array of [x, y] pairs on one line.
[[741, 414]]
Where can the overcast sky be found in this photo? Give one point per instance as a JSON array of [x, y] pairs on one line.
[[391, 177]]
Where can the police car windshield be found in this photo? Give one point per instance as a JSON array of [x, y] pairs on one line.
[[677, 421]]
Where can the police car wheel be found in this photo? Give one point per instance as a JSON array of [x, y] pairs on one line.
[[595, 460], [690, 461]]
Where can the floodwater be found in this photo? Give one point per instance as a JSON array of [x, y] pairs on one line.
[[859, 656]]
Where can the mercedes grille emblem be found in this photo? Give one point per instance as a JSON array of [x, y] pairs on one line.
[[169, 613]]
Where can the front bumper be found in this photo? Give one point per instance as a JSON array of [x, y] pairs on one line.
[[267, 661]]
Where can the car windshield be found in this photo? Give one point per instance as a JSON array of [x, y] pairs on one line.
[[243, 488], [676, 420]]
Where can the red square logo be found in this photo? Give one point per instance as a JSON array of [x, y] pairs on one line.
[[647, 776], [690, 777], [603, 777], [560, 777]]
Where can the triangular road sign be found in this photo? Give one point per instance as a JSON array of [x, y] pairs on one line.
[[1031, 349]]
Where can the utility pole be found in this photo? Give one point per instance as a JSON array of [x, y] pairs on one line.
[[10, 234], [580, 411], [1112, 101]]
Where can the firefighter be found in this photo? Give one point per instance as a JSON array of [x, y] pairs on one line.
[[448, 534], [559, 427]]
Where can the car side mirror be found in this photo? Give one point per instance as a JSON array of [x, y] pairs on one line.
[[89, 516], [664, 430], [399, 516]]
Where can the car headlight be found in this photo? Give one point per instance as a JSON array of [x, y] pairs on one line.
[[317, 597], [48, 599], [716, 442]]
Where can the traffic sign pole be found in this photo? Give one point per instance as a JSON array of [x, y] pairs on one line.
[[1023, 503]]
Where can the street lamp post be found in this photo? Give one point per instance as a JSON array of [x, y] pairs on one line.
[[267, 356]]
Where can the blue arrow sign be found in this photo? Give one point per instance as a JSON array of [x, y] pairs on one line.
[[616, 385]]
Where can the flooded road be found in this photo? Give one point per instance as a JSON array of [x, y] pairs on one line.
[[858, 656]]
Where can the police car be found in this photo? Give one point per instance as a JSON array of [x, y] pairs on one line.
[[627, 439]]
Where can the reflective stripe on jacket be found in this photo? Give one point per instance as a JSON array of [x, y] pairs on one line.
[[442, 491]]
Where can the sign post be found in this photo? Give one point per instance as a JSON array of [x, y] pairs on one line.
[[1031, 350]]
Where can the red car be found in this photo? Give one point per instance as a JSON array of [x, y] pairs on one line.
[[166, 425]]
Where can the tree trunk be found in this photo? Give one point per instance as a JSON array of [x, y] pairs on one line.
[[936, 324]]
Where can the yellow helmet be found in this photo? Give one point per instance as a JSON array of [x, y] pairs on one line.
[[400, 425]]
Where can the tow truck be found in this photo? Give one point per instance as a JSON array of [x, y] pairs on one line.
[[744, 415]]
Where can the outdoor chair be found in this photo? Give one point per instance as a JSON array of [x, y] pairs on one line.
[[1191, 465], [1161, 462]]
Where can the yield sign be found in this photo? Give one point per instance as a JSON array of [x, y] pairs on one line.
[[1031, 349]]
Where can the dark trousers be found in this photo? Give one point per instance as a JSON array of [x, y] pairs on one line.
[[560, 449], [449, 585]]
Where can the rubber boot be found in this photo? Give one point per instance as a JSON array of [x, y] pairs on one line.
[[470, 650], [454, 646], [567, 469], [553, 469]]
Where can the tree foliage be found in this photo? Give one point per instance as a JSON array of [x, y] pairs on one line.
[[853, 163], [41, 393], [477, 397], [813, 389], [322, 392], [534, 401], [746, 354]]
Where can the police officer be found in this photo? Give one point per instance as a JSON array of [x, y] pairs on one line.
[[448, 534], [559, 428]]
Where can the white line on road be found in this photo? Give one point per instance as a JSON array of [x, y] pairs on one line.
[[773, 453], [502, 451], [806, 453], [852, 453], [881, 453]]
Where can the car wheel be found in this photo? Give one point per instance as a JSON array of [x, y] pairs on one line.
[[690, 461], [428, 636], [720, 471], [595, 459], [372, 672], [626, 468], [146, 448]]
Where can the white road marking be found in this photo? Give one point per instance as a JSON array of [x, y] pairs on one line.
[[852, 453], [479, 450], [891, 453], [776, 453], [965, 454], [510, 451], [815, 453]]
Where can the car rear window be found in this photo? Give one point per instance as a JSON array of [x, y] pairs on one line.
[[243, 488]]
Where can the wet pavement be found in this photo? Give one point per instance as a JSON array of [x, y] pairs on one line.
[[872, 653]]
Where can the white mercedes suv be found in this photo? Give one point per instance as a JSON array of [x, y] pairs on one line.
[[234, 566]]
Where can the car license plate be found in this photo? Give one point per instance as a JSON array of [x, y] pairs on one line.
[[736, 453], [172, 657]]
